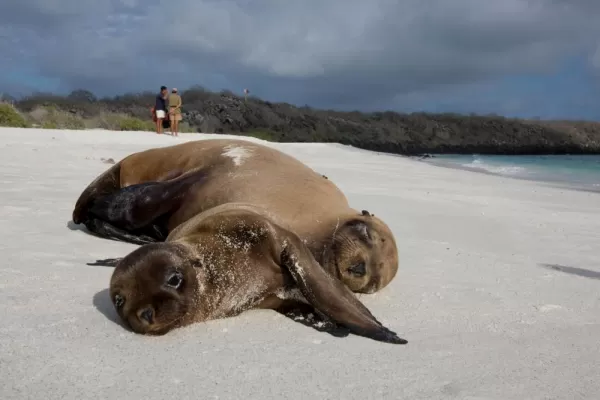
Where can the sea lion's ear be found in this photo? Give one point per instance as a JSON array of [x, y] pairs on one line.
[[330, 296], [367, 214]]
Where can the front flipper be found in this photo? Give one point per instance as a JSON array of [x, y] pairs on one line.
[[330, 296], [107, 262], [139, 213], [306, 315]]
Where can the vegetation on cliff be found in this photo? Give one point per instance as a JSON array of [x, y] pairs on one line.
[[225, 112]]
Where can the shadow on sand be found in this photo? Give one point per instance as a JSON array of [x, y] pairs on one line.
[[76, 227], [104, 305], [585, 273], [81, 227], [305, 317]]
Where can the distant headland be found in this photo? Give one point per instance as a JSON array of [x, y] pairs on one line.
[[390, 132]]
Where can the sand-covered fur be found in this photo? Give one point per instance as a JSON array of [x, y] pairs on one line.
[[225, 261]]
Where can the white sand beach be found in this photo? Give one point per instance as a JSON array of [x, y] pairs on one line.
[[484, 318]]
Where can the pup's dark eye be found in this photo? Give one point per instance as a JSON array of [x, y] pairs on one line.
[[359, 269], [174, 280], [119, 301]]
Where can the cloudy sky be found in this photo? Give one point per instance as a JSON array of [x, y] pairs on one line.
[[512, 57]]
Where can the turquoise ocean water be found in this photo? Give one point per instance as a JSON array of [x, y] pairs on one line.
[[576, 171]]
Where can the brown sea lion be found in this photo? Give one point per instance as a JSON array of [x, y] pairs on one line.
[[170, 185], [222, 262]]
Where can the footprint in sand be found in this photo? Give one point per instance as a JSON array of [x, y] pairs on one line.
[[548, 307]]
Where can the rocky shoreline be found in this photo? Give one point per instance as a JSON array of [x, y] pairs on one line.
[[390, 132]]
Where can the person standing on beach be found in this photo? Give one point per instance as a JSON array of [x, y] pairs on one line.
[[160, 108], [174, 111]]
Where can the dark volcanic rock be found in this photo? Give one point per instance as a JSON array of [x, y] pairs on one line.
[[411, 134]]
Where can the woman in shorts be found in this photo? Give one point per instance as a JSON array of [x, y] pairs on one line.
[[174, 111]]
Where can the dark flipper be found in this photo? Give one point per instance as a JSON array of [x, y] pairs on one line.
[[106, 183], [139, 213], [108, 262], [106, 230], [305, 314], [330, 296]]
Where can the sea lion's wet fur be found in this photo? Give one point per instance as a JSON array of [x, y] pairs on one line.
[[230, 259], [357, 247]]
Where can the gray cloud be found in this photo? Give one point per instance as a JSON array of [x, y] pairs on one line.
[[325, 52]]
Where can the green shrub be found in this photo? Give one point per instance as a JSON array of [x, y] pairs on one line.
[[9, 116], [119, 122], [68, 121], [263, 134], [50, 117], [49, 125], [184, 127], [105, 121], [135, 124], [73, 122]]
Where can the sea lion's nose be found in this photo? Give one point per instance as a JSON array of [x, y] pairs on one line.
[[146, 315], [359, 269]]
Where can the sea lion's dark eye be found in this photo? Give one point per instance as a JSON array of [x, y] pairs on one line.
[[174, 280], [119, 301], [359, 269]]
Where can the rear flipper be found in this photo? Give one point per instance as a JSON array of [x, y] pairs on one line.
[[107, 262], [106, 230], [139, 213], [330, 296], [106, 183]]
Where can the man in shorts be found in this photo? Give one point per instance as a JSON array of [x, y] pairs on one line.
[[160, 109]]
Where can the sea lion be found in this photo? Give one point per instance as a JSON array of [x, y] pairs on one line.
[[356, 247], [222, 262]]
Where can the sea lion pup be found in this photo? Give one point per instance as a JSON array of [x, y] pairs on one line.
[[356, 247], [222, 262]]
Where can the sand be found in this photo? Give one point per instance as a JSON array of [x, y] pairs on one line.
[[485, 319]]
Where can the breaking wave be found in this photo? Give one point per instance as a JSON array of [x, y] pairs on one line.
[[500, 169], [581, 171]]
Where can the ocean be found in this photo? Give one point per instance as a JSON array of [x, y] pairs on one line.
[[581, 172]]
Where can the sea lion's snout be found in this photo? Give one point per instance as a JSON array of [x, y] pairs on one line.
[[358, 269], [154, 287], [146, 315], [363, 254]]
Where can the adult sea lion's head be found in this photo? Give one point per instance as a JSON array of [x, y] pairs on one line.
[[362, 253], [155, 288]]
